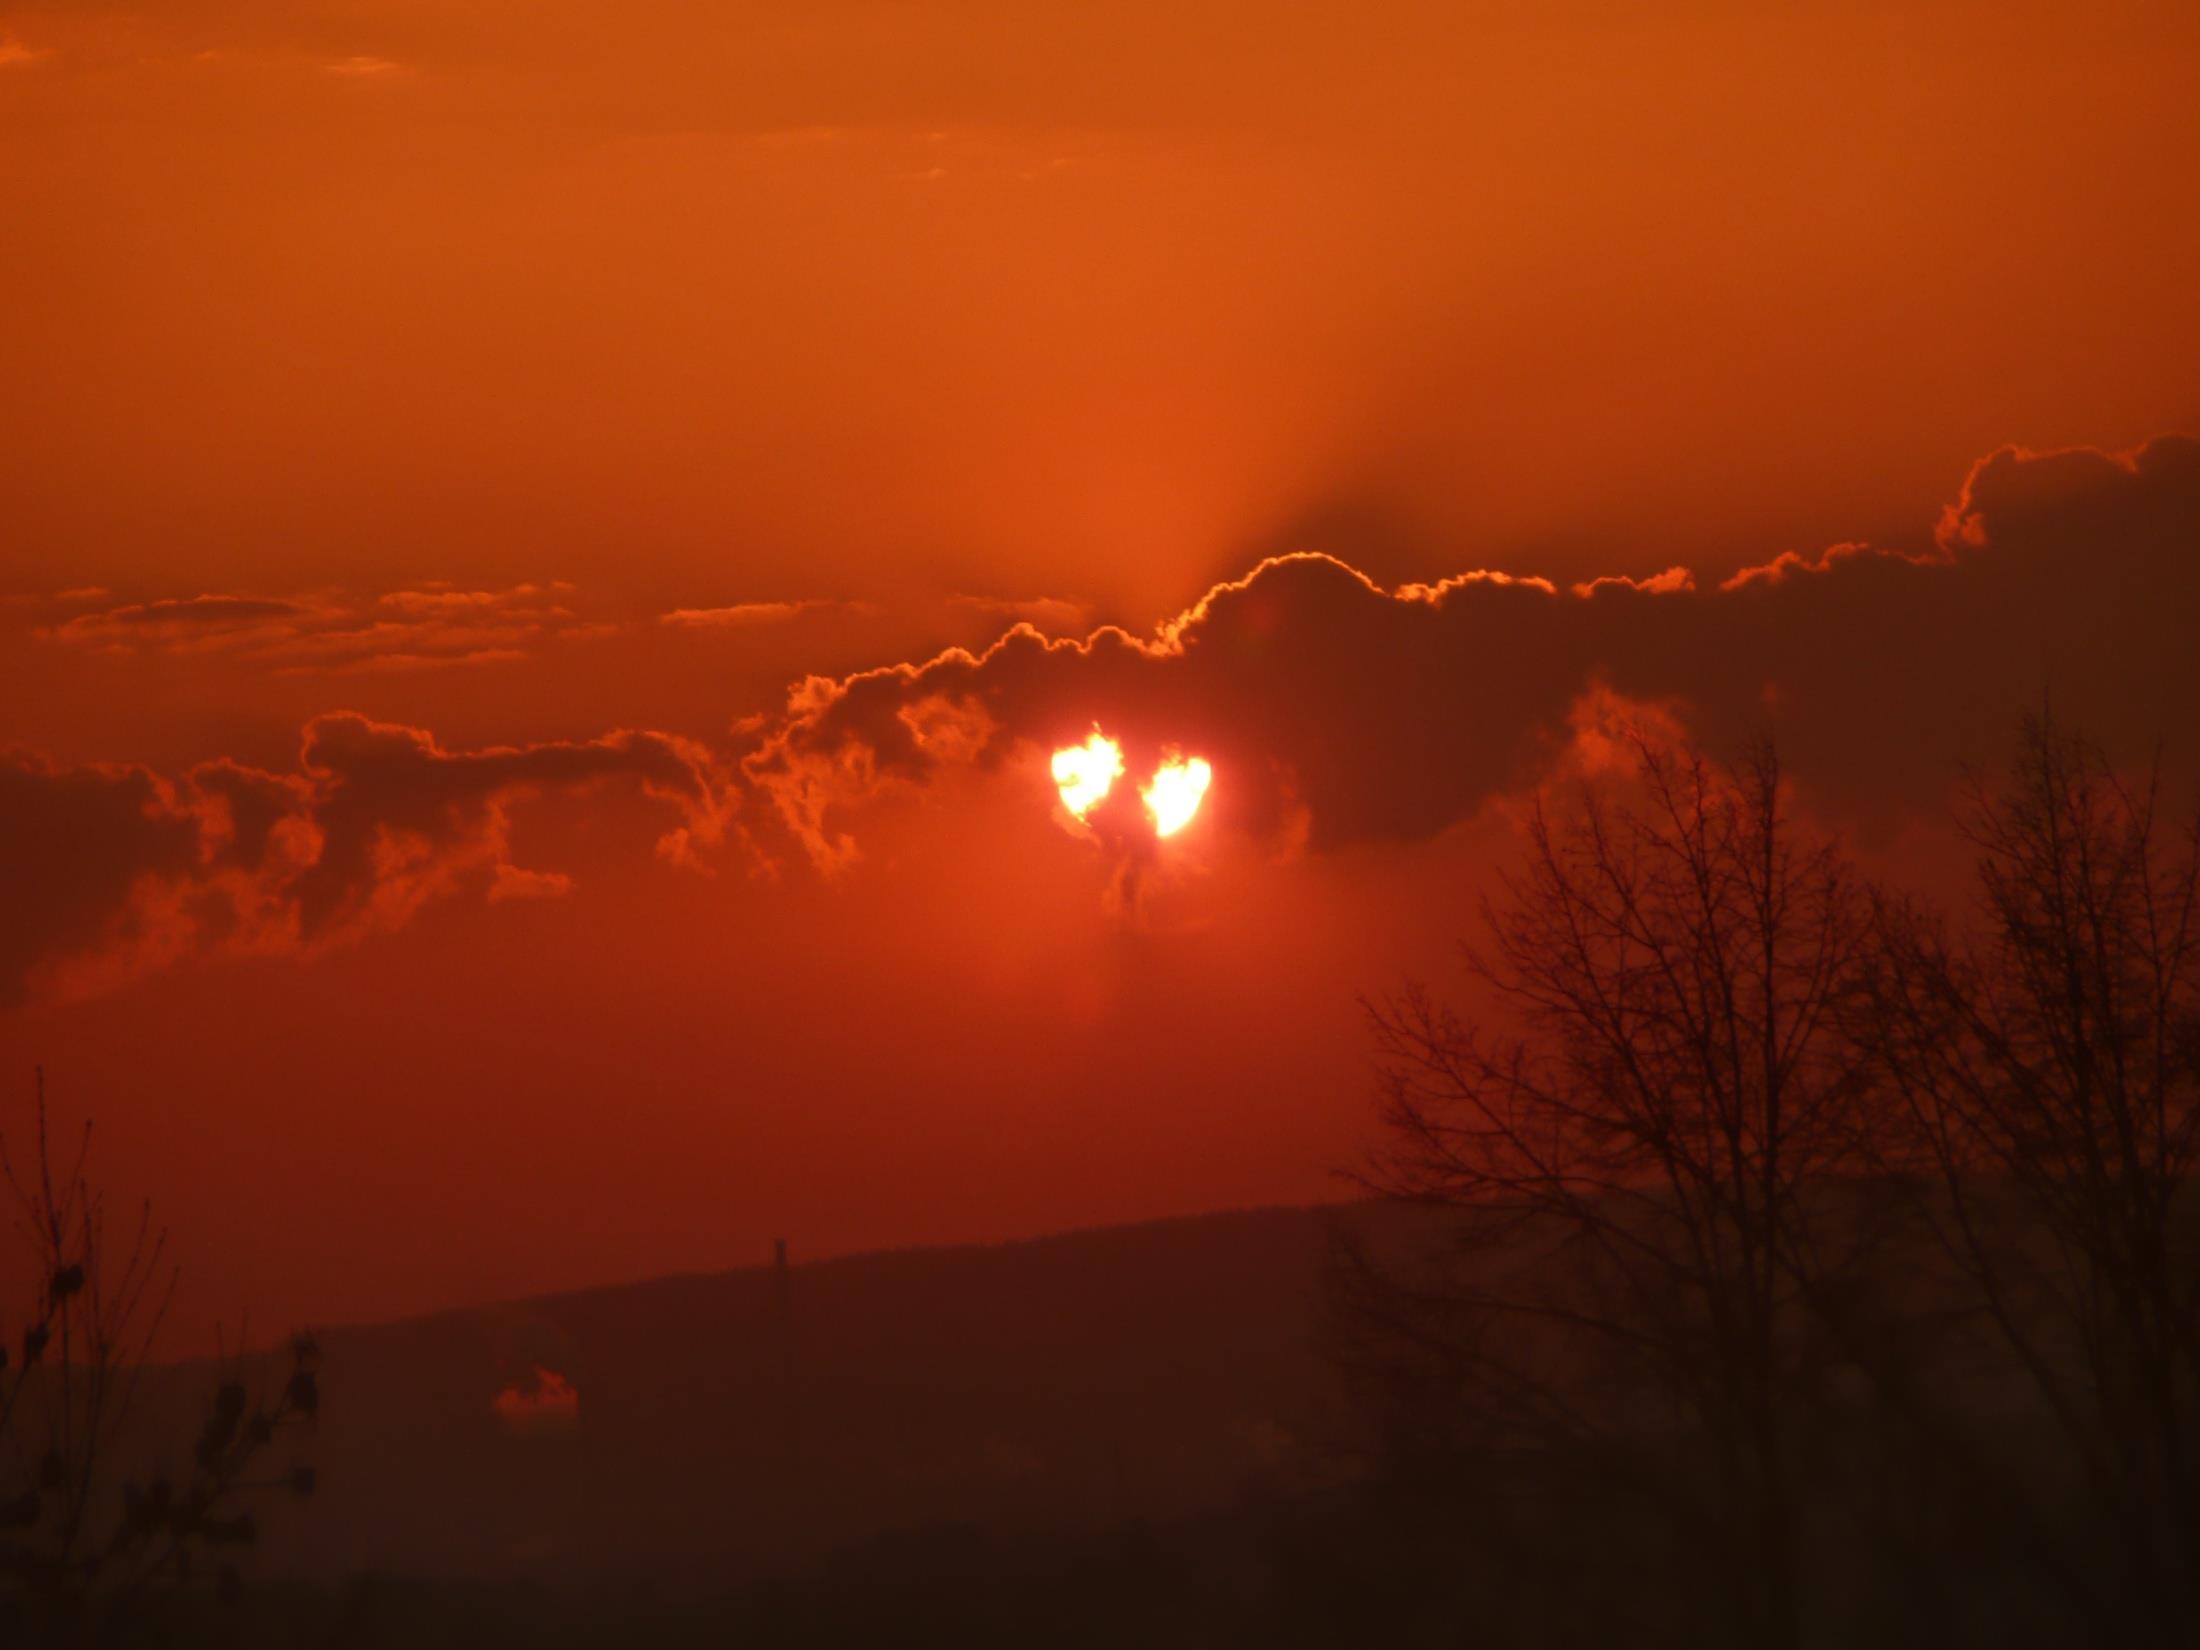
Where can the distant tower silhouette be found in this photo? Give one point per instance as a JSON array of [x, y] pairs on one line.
[[783, 1345], [782, 1302]]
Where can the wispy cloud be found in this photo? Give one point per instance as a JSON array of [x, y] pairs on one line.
[[363, 67], [13, 53], [433, 626], [740, 614]]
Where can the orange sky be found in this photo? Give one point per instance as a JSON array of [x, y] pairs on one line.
[[519, 374]]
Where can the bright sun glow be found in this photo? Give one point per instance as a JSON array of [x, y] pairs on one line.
[[1174, 796], [1083, 773]]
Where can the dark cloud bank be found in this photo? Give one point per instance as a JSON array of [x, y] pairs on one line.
[[1355, 714], [111, 870], [1336, 713]]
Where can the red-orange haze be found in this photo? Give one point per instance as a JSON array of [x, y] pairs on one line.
[[628, 630]]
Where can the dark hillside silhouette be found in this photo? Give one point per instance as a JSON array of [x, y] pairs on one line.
[[1067, 1383]]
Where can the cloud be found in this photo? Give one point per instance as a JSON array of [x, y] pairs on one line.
[[109, 871], [1314, 691], [515, 882], [402, 820], [739, 615], [1339, 712], [333, 632], [169, 618], [77, 848], [1053, 614], [1793, 563], [1670, 582], [546, 1403], [442, 600]]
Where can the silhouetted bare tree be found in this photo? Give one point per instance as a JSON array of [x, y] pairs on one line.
[[82, 1541], [1629, 1150], [2048, 1064]]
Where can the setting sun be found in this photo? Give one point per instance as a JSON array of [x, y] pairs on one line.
[[1085, 773], [1174, 796]]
